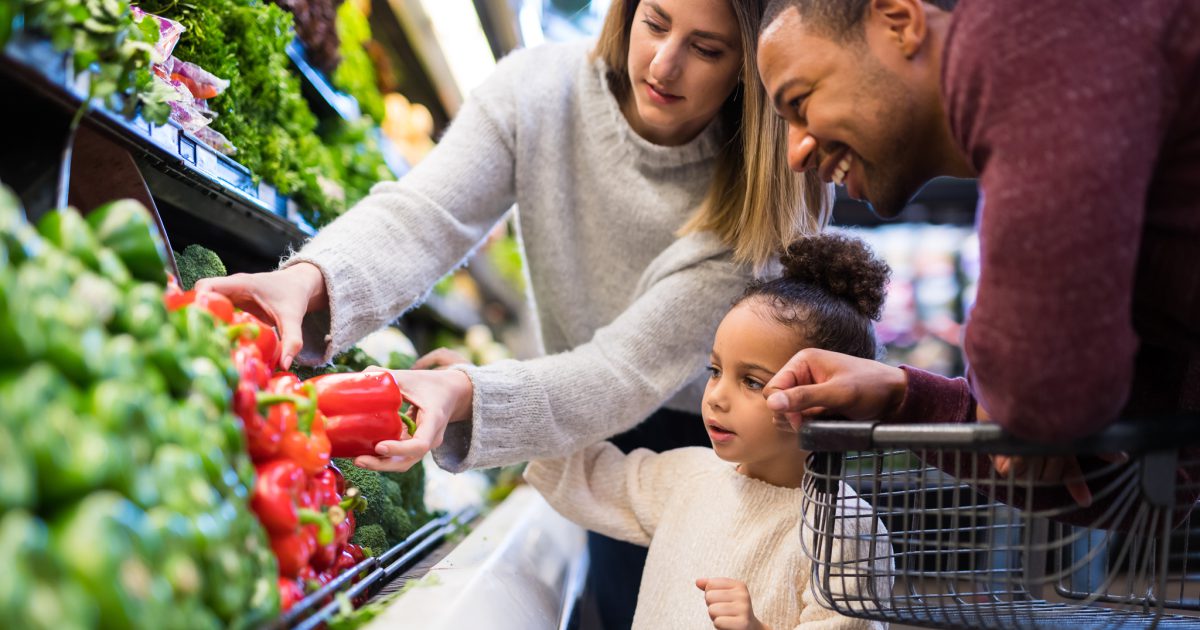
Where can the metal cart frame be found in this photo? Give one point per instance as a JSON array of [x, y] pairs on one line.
[[912, 523]]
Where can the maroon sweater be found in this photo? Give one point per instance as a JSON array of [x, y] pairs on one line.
[[1082, 118]]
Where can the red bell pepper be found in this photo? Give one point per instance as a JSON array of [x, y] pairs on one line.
[[294, 550], [263, 336], [248, 361], [361, 410], [290, 593], [304, 440], [263, 433], [282, 502], [177, 298], [218, 305], [357, 392]]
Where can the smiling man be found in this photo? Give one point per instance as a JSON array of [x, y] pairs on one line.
[[1081, 119]]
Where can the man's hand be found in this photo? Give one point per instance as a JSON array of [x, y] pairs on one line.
[[728, 603], [441, 397], [816, 382]]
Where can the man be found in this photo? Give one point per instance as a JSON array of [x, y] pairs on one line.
[[1081, 119]]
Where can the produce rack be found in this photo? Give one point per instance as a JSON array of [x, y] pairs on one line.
[[215, 191], [377, 571]]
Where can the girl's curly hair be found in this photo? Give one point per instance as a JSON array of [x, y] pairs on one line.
[[831, 290]]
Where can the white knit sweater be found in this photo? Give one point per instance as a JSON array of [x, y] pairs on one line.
[[702, 518], [627, 309]]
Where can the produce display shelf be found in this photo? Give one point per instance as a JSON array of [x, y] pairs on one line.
[[178, 167], [317, 609], [325, 99]]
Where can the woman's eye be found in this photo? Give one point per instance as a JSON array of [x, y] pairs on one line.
[[655, 28], [707, 52], [713, 372], [753, 384]]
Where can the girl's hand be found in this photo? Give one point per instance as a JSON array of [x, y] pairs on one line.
[[279, 297], [441, 397], [729, 604]]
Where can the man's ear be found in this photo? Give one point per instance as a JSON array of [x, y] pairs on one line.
[[903, 20]]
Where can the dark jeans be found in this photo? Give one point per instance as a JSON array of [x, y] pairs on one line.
[[615, 569]]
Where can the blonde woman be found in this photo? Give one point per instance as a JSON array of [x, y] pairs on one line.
[[650, 182]]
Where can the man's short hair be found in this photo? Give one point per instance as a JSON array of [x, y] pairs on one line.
[[840, 20]]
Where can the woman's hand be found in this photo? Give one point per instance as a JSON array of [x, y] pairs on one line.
[[441, 397], [280, 297], [816, 382], [728, 603], [438, 359]]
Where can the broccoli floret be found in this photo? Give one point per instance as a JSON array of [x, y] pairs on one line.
[[378, 492], [371, 538], [411, 491], [197, 262]]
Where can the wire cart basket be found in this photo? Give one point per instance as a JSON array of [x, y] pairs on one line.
[[913, 524]]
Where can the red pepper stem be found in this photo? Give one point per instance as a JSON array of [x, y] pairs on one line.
[[237, 331], [306, 411], [321, 520], [267, 399], [409, 423]]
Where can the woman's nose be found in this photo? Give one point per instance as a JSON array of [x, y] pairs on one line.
[[666, 66]]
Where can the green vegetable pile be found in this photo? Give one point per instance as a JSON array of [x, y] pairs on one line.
[[263, 112], [355, 75], [123, 475], [103, 38], [196, 262], [358, 163]]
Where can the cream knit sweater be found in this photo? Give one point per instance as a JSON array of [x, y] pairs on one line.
[[701, 518], [626, 309]]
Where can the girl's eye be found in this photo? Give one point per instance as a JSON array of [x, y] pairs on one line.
[[752, 384], [707, 53], [713, 372], [654, 28]]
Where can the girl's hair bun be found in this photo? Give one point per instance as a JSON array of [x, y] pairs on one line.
[[842, 266]]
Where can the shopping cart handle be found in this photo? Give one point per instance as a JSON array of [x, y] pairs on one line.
[[1127, 435]]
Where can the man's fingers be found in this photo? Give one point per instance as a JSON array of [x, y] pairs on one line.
[[1114, 458], [1076, 485]]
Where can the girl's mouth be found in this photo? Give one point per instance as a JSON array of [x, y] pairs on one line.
[[719, 434]]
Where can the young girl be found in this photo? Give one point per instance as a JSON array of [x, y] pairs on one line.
[[726, 520]]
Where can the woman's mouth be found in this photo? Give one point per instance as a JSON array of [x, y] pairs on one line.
[[661, 97], [719, 434]]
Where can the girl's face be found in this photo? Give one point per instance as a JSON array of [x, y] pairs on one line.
[[685, 57], [750, 347]]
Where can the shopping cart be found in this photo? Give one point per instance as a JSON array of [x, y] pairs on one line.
[[913, 524]]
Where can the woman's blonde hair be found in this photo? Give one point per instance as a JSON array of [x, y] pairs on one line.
[[756, 204]]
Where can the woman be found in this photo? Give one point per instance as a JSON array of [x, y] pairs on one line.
[[650, 182]]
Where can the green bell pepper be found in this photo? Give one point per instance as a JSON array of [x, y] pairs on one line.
[[68, 231], [141, 312], [18, 476], [127, 228], [33, 591], [106, 543], [74, 455]]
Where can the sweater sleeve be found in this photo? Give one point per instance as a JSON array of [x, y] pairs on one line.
[[560, 403], [384, 255], [1064, 133], [858, 574], [604, 490]]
